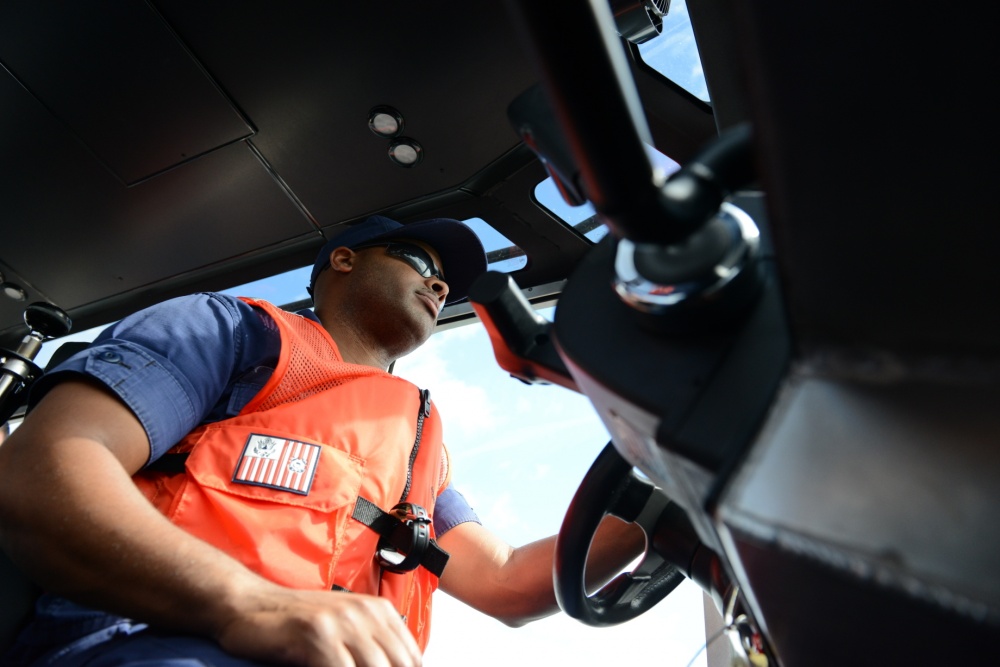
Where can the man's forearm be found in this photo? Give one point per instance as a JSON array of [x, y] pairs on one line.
[[515, 585], [91, 536]]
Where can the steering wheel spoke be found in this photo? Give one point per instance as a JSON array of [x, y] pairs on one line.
[[611, 486]]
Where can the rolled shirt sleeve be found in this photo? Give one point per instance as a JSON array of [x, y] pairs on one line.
[[170, 363], [452, 509]]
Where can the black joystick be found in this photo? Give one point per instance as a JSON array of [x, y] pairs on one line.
[[708, 274], [701, 283], [17, 370], [46, 320]]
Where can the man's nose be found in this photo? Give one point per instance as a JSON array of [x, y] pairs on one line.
[[439, 286]]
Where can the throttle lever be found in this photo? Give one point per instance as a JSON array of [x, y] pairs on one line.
[[17, 370], [521, 338]]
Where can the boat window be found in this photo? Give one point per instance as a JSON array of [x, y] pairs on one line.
[[281, 289], [501, 254], [518, 454], [584, 219], [674, 53]]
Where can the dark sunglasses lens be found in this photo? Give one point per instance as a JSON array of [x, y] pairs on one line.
[[416, 257]]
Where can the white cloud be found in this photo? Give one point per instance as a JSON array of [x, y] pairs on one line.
[[500, 515], [465, 408], [542, 471]]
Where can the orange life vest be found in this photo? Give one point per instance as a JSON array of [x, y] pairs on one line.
[[276, 486]]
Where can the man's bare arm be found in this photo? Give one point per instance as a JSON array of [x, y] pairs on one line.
[[72, 519], [514, 585]]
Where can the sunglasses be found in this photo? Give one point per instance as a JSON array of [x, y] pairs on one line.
[[414, 255]]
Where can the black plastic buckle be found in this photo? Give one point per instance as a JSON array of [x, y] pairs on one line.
[[403, 547]]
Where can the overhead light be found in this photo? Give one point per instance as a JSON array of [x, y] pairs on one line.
[[12, 291], [385, 121], [406, 152]]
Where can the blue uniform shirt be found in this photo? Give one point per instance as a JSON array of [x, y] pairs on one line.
[[184, 362], [195, 360]]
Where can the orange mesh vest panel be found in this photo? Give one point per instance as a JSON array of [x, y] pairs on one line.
[[276, 485]]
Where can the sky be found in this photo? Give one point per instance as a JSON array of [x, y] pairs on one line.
[[518, 454], [674, 54]]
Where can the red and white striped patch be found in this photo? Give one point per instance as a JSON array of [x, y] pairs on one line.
[[277, 463]]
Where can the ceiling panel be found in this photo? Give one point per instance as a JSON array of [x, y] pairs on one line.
[[76, 234], [119, 81], [307, 76]]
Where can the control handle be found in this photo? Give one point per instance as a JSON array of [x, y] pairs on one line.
[[521, 338], [17, 368]]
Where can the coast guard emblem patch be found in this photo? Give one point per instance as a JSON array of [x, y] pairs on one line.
[[277, 463]]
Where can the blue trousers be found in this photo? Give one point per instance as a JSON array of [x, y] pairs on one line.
[[66, 635]]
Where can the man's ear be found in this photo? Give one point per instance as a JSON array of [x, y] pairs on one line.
[[342, 259]]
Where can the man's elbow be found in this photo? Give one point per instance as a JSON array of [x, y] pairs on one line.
[[518, 618], [514, 621]]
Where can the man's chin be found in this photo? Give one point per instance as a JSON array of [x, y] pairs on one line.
[[417, 336]]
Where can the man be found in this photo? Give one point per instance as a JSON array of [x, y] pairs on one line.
[[250, 485]]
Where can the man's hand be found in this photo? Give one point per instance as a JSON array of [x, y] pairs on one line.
[[328, 629]]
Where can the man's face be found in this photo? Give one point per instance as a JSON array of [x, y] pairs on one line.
[[393, 301]]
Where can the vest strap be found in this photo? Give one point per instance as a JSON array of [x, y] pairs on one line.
[[410, 536], [170, 464]]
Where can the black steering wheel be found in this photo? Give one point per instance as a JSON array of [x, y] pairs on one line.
[[611, 487]]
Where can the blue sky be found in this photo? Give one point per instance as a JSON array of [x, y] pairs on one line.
[[674, 53], [519, 453]]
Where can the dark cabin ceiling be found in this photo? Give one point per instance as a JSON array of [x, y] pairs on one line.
[[153, 150]]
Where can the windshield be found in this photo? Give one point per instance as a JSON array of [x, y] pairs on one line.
[[518, 454]]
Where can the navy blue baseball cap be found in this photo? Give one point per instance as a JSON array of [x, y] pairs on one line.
[[462, 254]]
